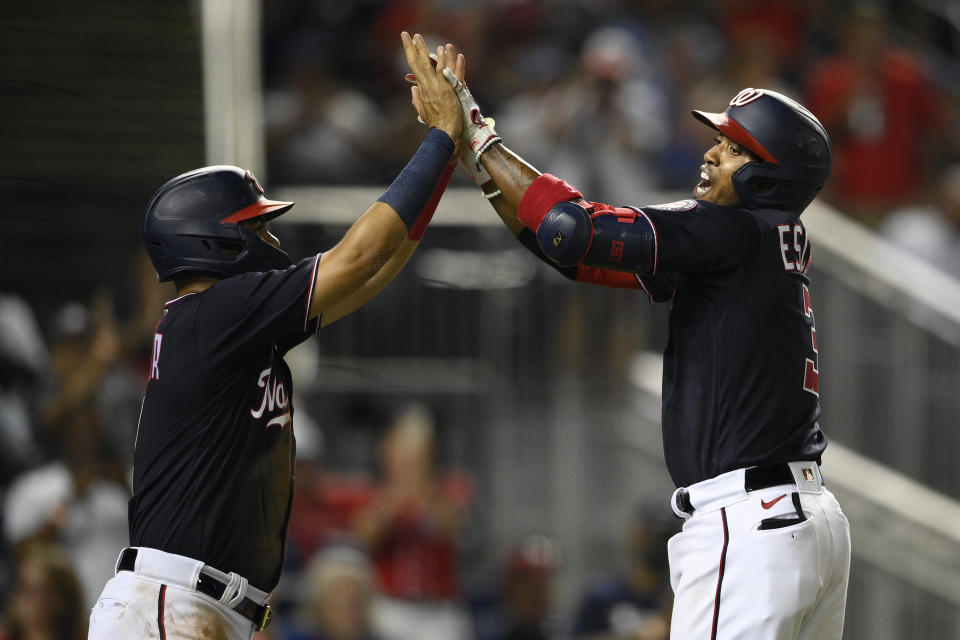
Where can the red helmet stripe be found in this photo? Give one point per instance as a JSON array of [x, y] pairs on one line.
[[732, 129], [262, 207]]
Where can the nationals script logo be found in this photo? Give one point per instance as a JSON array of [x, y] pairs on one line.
[[275, 399], [746, 97]]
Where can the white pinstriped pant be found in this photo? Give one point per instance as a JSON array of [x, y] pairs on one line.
[[157, 601], [733, 580]]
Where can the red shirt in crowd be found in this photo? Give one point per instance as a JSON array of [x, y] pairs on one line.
[[878, 119], [416, 558]]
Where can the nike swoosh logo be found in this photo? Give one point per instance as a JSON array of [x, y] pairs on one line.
[[767, 505]]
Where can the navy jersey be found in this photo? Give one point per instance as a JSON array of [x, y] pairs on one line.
[[741, 378], [213, 465]]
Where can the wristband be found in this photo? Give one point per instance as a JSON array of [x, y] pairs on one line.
[[410, 192], [418, 229]]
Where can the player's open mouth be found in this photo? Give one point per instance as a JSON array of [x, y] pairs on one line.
[[703, 186]]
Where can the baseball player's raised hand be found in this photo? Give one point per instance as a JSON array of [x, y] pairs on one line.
[[432, 96], [459, 70], [478, 133]]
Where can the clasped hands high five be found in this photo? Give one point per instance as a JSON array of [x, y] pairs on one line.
[[474, 133]]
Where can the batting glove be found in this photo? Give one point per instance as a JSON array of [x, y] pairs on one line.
[[469, 159], [478, 132]]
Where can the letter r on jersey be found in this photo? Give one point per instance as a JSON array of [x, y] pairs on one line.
[[155, 360]]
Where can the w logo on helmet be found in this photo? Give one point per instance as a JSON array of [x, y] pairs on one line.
[[746, 97], [252, 178]]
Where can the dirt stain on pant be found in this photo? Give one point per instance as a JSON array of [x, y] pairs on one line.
[[196, 620]]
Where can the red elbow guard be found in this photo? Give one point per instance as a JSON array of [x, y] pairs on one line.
[[540, 196]]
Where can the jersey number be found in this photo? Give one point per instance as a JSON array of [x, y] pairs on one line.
[[811, 374]]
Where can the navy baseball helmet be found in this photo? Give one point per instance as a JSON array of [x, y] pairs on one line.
[[792, 145], [191, 224]]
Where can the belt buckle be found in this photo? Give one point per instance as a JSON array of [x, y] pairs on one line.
[[265, 619]]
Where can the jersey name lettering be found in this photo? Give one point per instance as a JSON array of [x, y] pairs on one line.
[[155, 361], [616, 251], [274, 397], [793, 247]]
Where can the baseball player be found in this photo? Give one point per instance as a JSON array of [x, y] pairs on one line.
[[213, 464], [765, 549]]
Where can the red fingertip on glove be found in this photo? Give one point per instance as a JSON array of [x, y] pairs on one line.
[[420, 226], [546, 191]]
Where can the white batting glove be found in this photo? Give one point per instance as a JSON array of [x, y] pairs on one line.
[[478, 132], [469, 159]]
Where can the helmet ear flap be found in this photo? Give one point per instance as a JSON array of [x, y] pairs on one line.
[[769, 187]]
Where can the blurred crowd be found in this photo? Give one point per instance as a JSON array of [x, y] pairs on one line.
[[600, 93], [70, 390]]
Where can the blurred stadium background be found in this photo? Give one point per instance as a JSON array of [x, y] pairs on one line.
[[544, 396]]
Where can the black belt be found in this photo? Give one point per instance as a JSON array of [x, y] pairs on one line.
[[753, 478], [258, 614]]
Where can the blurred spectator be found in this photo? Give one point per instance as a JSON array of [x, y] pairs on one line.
[[85, 345], [882, 113], [318, 129], [522, 608], [136, 304], [602, 126], [636, 605], [99, 361], [778, 28], [931, 230], [748, 63], [79, 499], [23, 360], [85, 514], [412, 529], [691, 51], [324, 503], [47, 601], [338, 592], [524, 116]]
